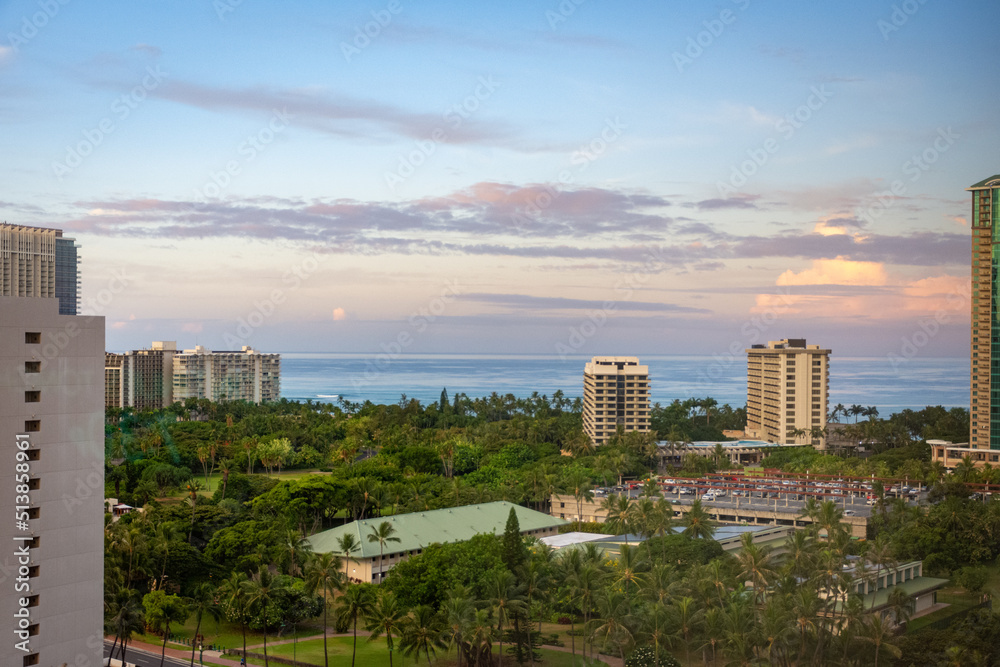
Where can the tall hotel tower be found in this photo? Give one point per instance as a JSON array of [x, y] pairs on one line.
[[51, 457], [985, 398], [615, 393], [787, 386]]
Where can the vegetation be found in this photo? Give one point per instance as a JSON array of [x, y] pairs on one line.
[[223, 535]]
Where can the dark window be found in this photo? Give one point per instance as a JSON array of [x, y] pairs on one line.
[[32, 396], [32, 367], [32, 337], [32, 425]]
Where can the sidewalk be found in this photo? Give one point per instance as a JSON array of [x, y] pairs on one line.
[[176, 654]]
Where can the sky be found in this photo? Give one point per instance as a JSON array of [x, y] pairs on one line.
[[575, 177]]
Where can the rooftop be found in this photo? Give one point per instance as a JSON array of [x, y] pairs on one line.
[[420, 529], [992, 181]]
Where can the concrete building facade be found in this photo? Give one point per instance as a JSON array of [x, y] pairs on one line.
[[244, 375], [788, 383], [615, 393], [141, 379], [52, 430], [984, 399]]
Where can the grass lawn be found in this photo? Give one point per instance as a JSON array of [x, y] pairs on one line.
[[956, 599], [223, 634], [215, 480], [375, 654]]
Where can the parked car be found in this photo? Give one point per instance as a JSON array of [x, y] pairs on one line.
[[708, 496], [849, 513]]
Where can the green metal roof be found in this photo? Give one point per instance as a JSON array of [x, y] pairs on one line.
[[914, 587], [982, 183], [419, 529]]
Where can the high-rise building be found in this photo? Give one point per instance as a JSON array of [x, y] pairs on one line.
[[244, 375], [985, 393], [39, 262], [141, 379], [787, 387], [615, 393], [52, 430]]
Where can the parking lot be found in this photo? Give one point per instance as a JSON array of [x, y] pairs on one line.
[[777, 492]]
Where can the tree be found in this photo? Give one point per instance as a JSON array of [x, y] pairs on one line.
[[580, 486], [697, 523], [162, 611], [356, 604], [512, 544], [202, 602], [234, 595], [877, 630], [422, 633], [323, 573], [459, 614], [504, 598], [385, 617], [259, 591], [383, 534]]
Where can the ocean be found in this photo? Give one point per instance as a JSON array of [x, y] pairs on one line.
[[889, 385]]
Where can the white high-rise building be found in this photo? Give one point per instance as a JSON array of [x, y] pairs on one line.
[[244, 375], [52, 467]]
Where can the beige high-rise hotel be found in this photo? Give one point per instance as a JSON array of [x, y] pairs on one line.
[[787, 392], [615, 393], [52, 467]]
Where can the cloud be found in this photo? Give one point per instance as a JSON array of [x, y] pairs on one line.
[[500, 219], [6, 53], [838, 271], [739, 201], [344, 116], [148, 49], [192, 327], [339, 314], [525, 301]]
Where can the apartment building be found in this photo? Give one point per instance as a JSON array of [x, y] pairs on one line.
[[984, 412], [244, 375], [787, 392], [140, 379], [615, 393], [52, 427]]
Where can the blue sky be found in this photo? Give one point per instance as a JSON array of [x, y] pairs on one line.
[[605, 178]]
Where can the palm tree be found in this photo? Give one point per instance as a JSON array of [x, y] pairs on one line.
[[202, 602], [160, 618], [626, 571], [877, 631], [756, 565], [697, 523], [348, 545], [615, 622], [323, 573], [504, 598], [459, 613], [225, 467], [900, 602], [131, 622], [386, 616], [355, 604], [234, 592], [193, 486], [422, 632], [384, 533], [259, 591], [619, 515], [579, 484]]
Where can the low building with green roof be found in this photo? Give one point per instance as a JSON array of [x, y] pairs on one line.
[[417, 530]]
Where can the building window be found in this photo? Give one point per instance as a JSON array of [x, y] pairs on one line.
[[30, 659], [32, 367], [32, 396], [32, 425], [33, 337]]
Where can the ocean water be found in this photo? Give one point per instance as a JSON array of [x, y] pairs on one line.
[[891, 387]]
